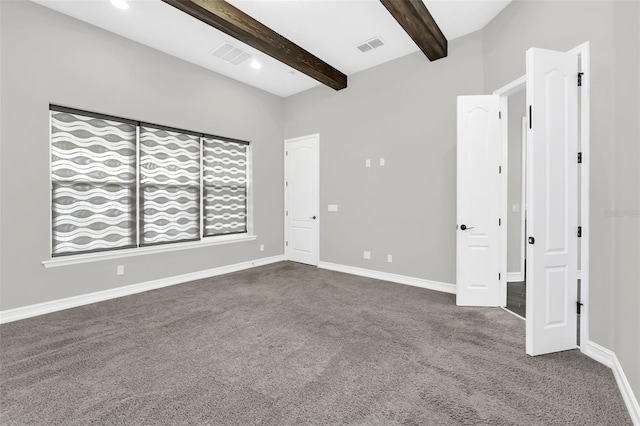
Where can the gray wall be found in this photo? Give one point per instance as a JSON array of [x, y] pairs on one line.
[[627, 194], [612, 29], [405, 112], [49, 57]]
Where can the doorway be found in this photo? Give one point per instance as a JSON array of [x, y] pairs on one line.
[[557, 139], [302, 190], [516, 204]]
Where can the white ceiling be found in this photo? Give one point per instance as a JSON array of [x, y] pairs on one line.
[[330, 29]]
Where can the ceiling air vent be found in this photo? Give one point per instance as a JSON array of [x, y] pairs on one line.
[[370, 44], [229, 53]]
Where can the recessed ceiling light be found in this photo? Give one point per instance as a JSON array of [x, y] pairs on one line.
[[255, 65], [120, 4]]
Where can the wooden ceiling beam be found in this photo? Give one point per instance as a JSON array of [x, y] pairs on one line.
[[414, 17], [237, 24]]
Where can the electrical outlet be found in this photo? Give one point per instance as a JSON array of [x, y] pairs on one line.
[[332, 207], [261, 247], [389, 258], [367, 254], [367, 163], [120, 270], [382, 161]]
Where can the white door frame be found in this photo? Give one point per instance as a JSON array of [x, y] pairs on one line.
[[584, 65], [286, 194]]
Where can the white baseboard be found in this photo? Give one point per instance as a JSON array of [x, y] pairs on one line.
[[16, 314], [386, 276], [513, 277], [609, 358]]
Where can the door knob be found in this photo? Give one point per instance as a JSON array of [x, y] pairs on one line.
[[463, 227], [313, 217]]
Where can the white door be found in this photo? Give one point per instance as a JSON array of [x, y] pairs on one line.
[[478, 210], [552, 190], [302, 199]]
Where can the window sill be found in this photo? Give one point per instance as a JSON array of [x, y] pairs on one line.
[[141, 251]]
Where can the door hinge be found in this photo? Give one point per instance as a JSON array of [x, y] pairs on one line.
[[286, 213], [499, 169], [580, 78], [499, 115], [578, 307], [530, 117], [579, 158], [499, 221], [532, 240], [287, 243], [579, 231], [286, 153], [499, 276], [286, 184]]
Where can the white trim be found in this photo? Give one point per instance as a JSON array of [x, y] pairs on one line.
[[599, 353], [514, 87], [504, 197], [504, 92], [140, 251], [513, 313], [386, 276], [523, 198], [609, 358], [515, 277], [584, 55], [99, 296]]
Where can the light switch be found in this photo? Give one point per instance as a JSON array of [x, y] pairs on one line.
[[382, 161], [367, 162], [332, 207]]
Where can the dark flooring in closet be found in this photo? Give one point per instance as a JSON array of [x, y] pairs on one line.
[[517, 297]]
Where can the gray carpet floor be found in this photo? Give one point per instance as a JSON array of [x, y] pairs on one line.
[[289, 344]]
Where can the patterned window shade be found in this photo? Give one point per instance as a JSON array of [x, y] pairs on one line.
[[225, 187], [93, 176], [169, 186]]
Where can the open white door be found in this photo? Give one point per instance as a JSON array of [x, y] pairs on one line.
[[302, 199], [478, 210], [552, 191]]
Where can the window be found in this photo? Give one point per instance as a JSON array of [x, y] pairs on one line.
[[119, 184], [169, 186], [225, 187]]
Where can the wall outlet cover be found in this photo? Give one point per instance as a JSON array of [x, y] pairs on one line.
[[332, 207], [367, 255]]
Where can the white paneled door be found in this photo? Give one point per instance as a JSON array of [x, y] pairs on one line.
[[302, 199], [552, 190], [478, 201]]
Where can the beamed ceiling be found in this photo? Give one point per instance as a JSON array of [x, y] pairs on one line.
[[287, 46]]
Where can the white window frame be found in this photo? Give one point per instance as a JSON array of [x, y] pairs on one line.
[[209, 241]]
